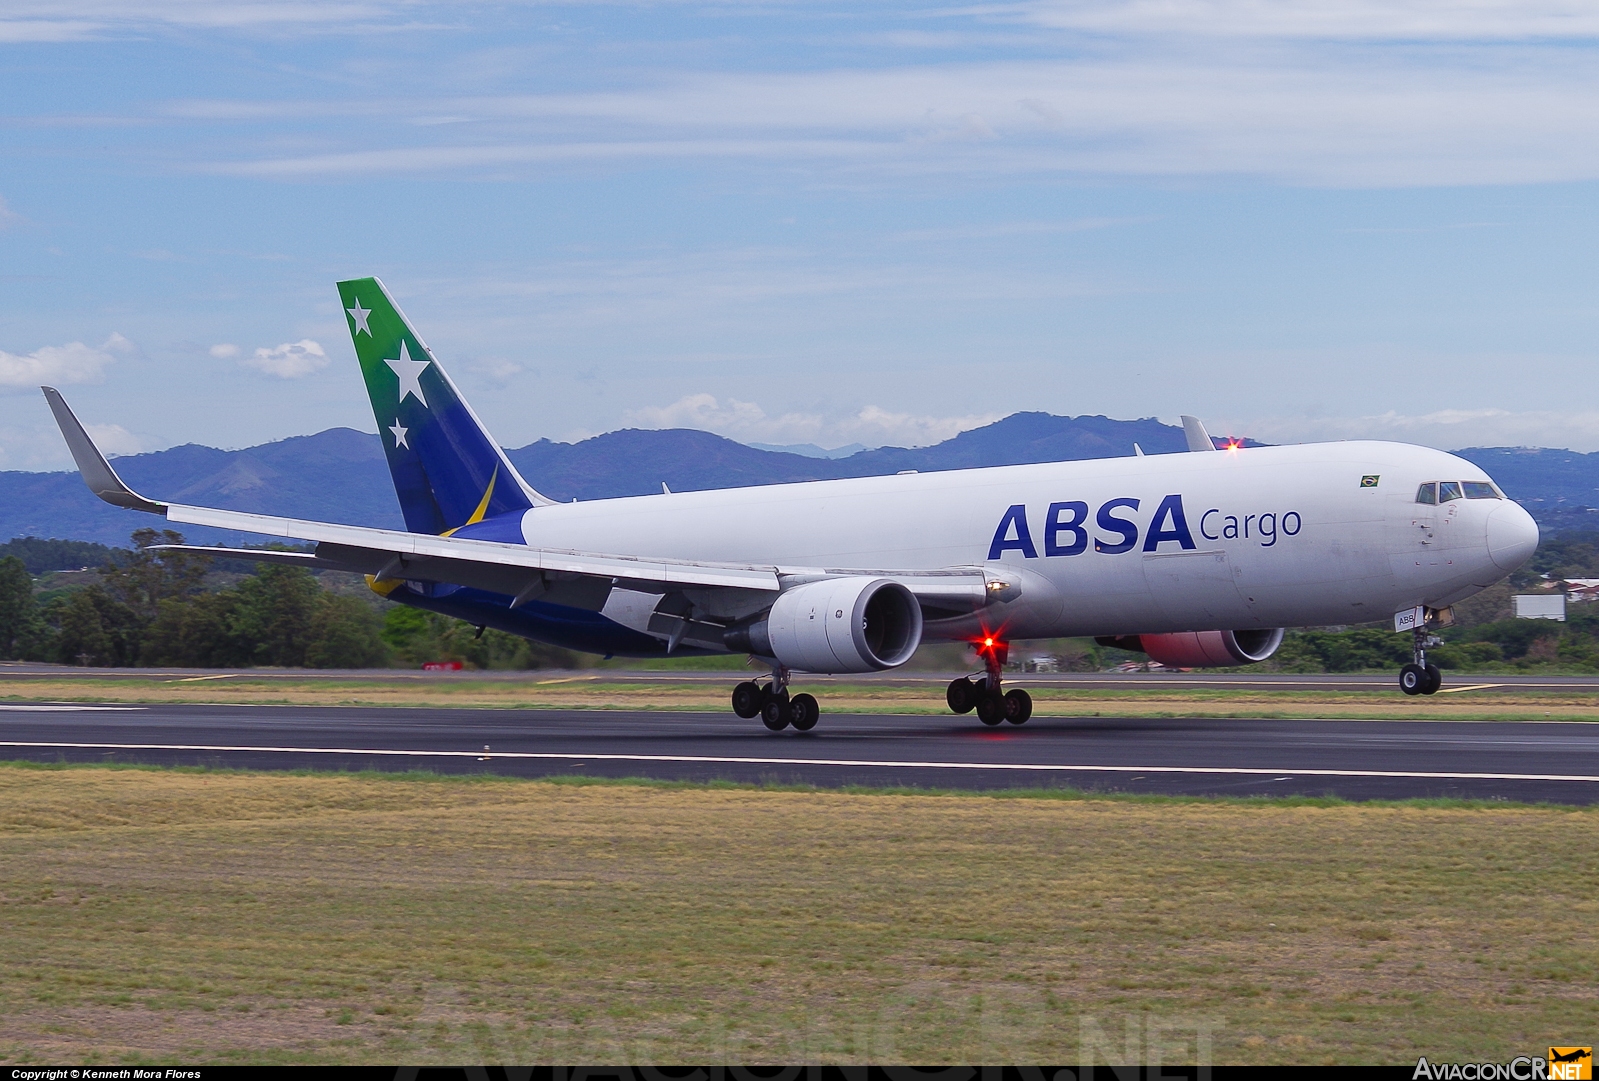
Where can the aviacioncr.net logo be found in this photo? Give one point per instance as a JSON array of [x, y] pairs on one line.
[[1561, 1064]]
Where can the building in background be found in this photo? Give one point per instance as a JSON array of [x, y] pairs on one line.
[[1540, 606]]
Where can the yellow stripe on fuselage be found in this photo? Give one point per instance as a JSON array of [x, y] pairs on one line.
[[383, 587], [482, 508]]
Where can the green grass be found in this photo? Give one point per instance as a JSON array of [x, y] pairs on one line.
[[580, 780], [206, 916]]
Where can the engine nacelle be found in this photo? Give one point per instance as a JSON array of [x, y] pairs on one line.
[[1210, 649], [838, 625]]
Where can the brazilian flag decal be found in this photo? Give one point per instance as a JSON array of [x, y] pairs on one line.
[[1369, 480], [447, 470]]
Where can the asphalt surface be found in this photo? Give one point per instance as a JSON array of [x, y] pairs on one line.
[[23, 672], [1532, 761]]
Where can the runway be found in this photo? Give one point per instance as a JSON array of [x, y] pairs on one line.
[[1532, 761], [22, 672]]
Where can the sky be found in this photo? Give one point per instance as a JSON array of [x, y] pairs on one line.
[[818, 223]]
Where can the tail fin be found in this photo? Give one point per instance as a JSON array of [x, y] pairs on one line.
[[448, 471]]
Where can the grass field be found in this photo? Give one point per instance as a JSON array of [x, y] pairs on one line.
[[1479, 699], [162, 916]]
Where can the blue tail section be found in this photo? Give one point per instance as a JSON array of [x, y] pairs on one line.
[[448, 471]]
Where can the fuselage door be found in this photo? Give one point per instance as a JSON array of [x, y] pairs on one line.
[[1417, 526], [1197, 590]]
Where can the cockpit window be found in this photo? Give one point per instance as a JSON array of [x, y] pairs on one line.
[[1427, 493], [1481, 489], [1447, 490]]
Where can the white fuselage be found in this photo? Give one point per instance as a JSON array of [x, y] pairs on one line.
[[1261, 537]]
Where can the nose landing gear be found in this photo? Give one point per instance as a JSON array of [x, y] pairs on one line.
[[1421, 676], [987, 696]]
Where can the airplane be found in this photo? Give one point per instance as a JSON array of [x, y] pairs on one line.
[[1195, 559]]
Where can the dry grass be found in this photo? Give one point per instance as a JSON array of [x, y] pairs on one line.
[[228, 917], [593, 692]]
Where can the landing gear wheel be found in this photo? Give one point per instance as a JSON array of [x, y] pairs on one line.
[[1018, 706], [1413, 679], [776, 714], [747, 698], [805, 711], [962, 695], [1435, 679], [991, 709]]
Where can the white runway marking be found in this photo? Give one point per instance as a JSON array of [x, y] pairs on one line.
[[70, 709], [1278, 772]]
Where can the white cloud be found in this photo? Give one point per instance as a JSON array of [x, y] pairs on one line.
[[495, 370], [38, 446], [1341, 92], [30, 31], [1338, 20], [703, 411], [1506, 114], [291, 360], [8, 217], [78, 20], [1447, 429], [114, 439], [224, 351], [70, 363], [748, 422]]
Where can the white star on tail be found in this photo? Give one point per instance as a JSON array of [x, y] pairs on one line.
[[399, 434], [359, 314], [409, 371]]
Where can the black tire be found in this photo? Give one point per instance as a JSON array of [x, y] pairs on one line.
[[747, 699], [1412, 678], [776, 714], [962, 695], [991, 709], [1018, 706], [805, 711], [1435, 679]]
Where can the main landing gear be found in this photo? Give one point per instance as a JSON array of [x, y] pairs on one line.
[[776, 708], [987, 696], [1420, 677]]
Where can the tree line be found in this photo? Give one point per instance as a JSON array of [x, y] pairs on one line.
[[149, 608]]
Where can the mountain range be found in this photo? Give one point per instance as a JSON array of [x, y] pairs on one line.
[[340, 475]]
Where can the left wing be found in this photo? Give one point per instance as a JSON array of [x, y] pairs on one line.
[[522, 572]]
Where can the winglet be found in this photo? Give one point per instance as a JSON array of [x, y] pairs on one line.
[[1198, 438], [96, 471]]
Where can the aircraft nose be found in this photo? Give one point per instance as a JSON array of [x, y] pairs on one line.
[[1512, 536]]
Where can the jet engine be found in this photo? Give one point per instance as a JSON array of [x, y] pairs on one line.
[[1203, 649], [855, 624]]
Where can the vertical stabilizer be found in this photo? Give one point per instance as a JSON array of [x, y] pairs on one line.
[[447, 469], [1198, 438]]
